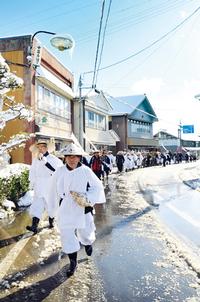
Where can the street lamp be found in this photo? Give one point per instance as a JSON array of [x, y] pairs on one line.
[[61, 42], [64, 42]]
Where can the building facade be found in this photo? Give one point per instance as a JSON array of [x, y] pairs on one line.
[[132, 118], [96, 131], [48, 90], [175, 144]]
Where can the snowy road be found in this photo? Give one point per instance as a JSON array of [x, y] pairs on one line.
[[179, 202], [135, 258]]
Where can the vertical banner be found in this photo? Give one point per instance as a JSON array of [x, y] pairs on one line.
[[37, 55]]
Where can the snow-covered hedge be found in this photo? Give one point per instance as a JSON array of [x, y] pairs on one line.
[[14, 182]]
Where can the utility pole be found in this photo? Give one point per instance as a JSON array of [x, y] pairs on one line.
[[180, 136], [81, 114], [81, 110]]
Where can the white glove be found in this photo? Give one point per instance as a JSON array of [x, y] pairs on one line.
[[42, 158], [80, 199]]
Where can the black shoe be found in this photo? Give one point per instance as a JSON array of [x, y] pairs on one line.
[[73, 264], [88, 250], [72, 268], [32, 229], [51, 225]]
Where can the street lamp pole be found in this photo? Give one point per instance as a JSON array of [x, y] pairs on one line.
[[41, 31]]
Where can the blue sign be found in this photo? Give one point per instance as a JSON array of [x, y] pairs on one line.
[[188, 128]]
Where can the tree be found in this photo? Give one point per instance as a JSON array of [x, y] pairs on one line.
[[11, 110]]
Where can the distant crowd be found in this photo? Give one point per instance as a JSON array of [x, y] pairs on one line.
[[103, 161]]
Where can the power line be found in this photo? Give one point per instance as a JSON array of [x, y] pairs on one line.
[[103, 40], [150, 45], [138, 65], [98, 43], [132, 20]]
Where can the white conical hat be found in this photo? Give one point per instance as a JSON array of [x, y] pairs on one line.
[[73, 149], [49, 143]]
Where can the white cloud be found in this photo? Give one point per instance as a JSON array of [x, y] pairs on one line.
[[148, 86]]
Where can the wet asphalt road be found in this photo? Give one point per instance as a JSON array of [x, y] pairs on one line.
[[135, 258]]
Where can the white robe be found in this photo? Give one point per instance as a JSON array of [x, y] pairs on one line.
[[69, 213], [40, 177]]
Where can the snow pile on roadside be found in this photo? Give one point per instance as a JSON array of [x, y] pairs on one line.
[[13, 169], [5, 213], [6, 174], [8, 204]]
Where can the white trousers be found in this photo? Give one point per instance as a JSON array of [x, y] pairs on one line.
[[38, 206], [72, 238]]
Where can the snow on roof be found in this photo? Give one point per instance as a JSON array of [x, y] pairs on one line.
[[125, 104]]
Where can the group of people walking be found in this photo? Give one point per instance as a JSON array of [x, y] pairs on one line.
[[101, 163], [68, 191], [130, 160]]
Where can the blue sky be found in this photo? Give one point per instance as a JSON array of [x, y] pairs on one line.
[[168, 72]]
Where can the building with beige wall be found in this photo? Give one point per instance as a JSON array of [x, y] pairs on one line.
[[48, 90], [97, 134]]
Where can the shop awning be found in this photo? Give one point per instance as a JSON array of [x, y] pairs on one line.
[[63, 138], [50, 79], [98, 137]]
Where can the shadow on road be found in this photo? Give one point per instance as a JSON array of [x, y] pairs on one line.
[[14, 239], [36, 267], [41, 289], [123, 222]]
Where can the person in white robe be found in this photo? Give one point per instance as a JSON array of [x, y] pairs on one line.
[[128, 162], [75, 190], [40, 177], [112, 160]]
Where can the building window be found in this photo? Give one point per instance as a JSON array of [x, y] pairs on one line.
[[95, 120], [101, 122], [140, 127], [53, 103], [91, 120]]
